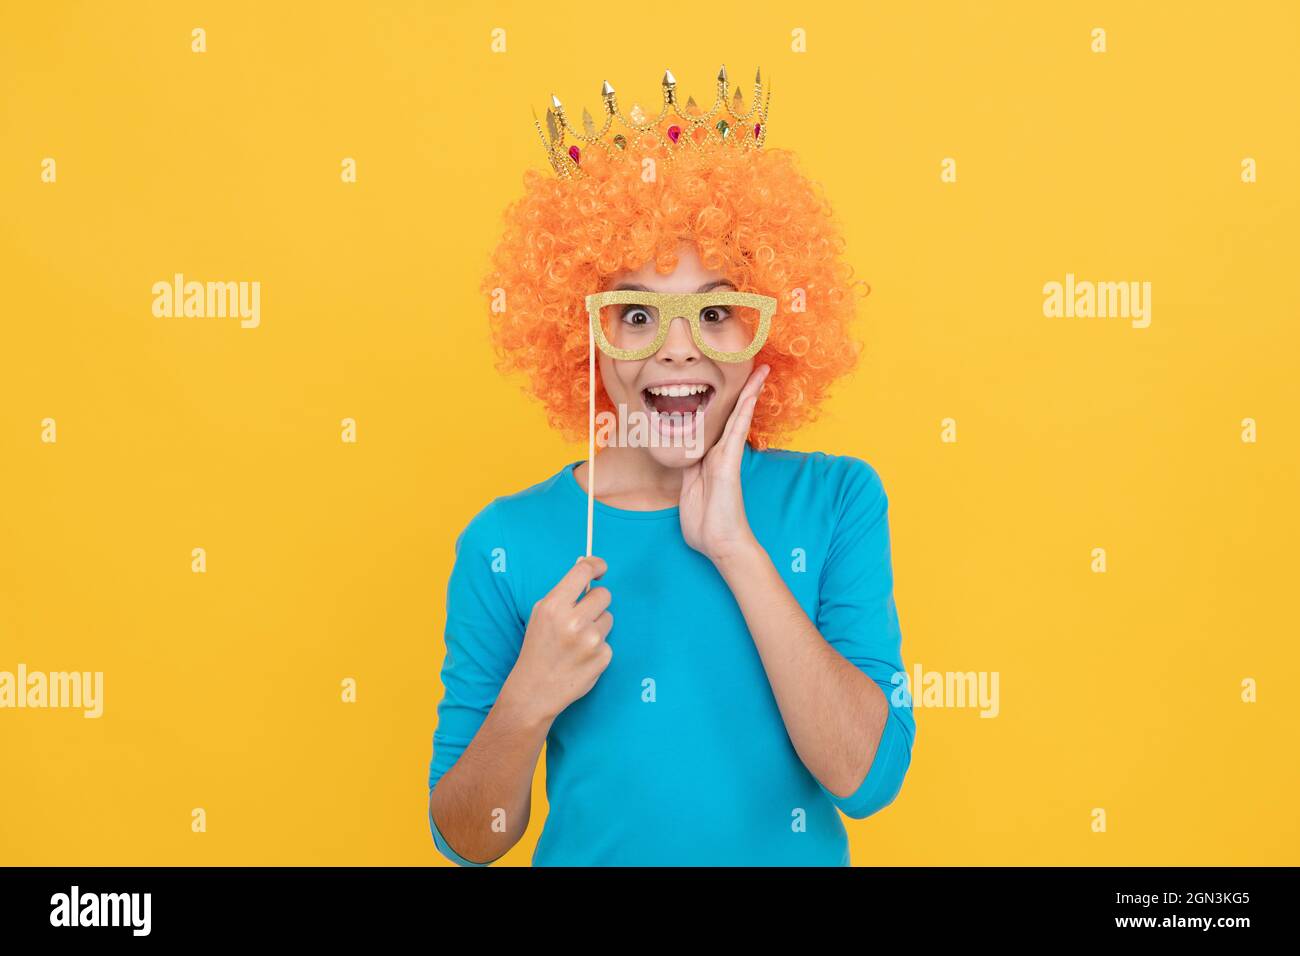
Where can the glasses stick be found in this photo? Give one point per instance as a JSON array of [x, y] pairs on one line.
[[591, 431]]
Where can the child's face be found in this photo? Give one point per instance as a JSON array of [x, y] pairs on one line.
[[678, 362]]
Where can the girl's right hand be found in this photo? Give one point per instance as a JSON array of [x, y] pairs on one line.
[[564, 649]]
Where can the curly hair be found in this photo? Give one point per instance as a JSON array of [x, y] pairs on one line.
[[751, 214]]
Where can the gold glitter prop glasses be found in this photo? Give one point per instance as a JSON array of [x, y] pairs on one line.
[[727, 326]]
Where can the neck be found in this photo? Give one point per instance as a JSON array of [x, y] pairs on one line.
[[631, 478]]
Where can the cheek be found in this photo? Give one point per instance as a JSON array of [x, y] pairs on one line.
[[619, 378], [735, 376]]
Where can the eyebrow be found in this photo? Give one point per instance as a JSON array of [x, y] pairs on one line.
[[707, 287]]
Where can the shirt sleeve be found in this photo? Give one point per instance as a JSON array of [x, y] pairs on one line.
[[857, 616], [483, 637]]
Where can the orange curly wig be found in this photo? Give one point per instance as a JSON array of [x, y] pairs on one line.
[[751, 214]]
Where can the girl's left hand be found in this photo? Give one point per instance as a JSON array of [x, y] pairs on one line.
[[712, 508]]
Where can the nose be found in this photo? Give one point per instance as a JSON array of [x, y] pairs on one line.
[[679, 347]]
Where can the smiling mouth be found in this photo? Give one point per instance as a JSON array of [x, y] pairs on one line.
[[684, 400]]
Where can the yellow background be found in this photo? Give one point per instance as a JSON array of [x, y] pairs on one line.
[[327, 560]]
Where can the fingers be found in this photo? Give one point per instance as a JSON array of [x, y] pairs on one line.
[[753, 385], [756, 380], [744, 417], [571, 586], [595, 601], [737, 430]]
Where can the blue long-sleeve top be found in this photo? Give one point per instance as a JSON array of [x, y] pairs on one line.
[[678, 755]]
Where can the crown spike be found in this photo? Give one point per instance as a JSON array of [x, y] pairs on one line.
[[555, 103], [722, 74], [669, 79], [606, 89]]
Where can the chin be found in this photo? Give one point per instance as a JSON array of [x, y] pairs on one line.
[[678, 457]]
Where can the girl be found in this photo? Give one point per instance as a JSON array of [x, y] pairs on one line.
[[723, 675]]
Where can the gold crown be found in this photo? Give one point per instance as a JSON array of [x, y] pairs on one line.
[[747, 129]]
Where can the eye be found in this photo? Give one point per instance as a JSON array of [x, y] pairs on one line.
[[637, 315], [715, 314]]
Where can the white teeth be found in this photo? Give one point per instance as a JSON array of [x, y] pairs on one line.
[[677, 391]]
